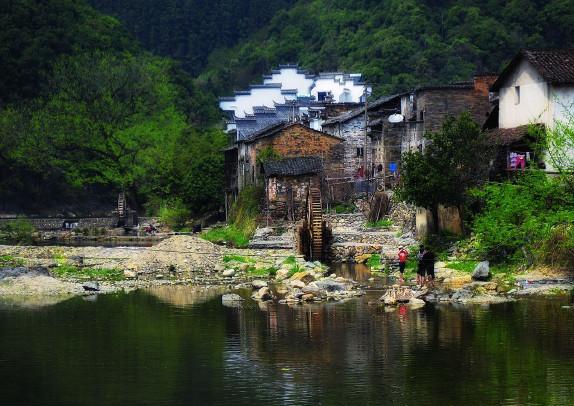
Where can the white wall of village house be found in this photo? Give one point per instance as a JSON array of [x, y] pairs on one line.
[[292, 78], [539, 102], [535, 101]]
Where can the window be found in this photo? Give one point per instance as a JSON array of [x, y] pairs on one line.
[[516, 94], [360, 152]]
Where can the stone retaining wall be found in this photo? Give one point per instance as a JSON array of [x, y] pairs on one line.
[[45, 224]]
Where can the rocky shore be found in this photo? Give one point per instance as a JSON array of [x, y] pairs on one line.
[[272, 275]]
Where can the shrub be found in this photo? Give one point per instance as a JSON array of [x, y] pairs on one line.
[[243, 220], [17, 231], [526, 221], [174, 214]]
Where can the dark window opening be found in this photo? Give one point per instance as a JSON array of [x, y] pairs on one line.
[[360, 152]]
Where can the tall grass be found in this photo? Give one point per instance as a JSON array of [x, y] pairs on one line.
[[242, 220]]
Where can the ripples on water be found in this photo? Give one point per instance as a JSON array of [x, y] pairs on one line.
[[174, 346]]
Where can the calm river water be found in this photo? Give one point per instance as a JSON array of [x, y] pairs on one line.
[[171, 346]]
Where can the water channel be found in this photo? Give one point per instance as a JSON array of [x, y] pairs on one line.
[[178, 346]]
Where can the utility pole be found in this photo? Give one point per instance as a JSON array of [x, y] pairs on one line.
[[365, 144]]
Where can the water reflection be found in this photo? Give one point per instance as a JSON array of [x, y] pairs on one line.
[[184, 296], [176, 347]]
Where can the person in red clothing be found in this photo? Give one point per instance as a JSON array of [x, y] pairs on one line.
[[403, 256]]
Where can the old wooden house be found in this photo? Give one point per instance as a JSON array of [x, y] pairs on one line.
[[245, 160]]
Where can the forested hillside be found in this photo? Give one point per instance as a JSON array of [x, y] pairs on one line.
[[397, 44], [86, 113], [189, 30], [91, 105]]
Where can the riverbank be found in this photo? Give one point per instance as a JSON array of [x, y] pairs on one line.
[[189, 260]]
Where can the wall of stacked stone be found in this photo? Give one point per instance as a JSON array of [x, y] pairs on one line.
[[344, 252], [352, 220], [57, 223]]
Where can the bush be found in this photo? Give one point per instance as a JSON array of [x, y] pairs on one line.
[[243, 220], [228, 235], [526, 221], [17, 231], [174, 214]]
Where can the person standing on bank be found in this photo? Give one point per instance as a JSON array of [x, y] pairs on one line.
[[403, 256], [421, 266], [429, 259]]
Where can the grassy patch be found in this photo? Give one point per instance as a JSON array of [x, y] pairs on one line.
[[9, 260], [296, 268], [102, 274], [382, 223], [374, 261], [290, 260], [464, 266], [17, 231], [270, 271], [238, 258], [344, 208], [227, 235]]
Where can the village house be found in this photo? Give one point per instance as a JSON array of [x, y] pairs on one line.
[[376, 153], [537, 87], [244, 164], [292, 94]]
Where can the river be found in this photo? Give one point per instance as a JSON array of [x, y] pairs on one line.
[[175, 346]]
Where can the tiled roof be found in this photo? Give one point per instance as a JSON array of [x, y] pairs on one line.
[[508, 136], [277, 127], [556, 66], [343, 118], [293, 166]]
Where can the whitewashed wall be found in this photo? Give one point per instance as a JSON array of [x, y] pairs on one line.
[[534, 106], [292, 78]]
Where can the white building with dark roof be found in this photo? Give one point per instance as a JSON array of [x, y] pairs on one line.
[[291, 89]]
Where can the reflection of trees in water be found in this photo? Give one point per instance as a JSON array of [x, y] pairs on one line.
[[435, 354]]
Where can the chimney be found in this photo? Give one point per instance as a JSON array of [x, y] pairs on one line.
[[483, 82]]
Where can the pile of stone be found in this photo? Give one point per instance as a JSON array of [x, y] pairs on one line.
[[178, 256], [396, 295]]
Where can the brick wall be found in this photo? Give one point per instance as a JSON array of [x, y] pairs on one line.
[[298, 140]]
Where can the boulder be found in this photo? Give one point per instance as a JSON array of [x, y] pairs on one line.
[[219, 268], [308, 297], [389, 301], [258, 284], [231, 297], [297, 284], [305, 277], [91, 286], [228, 273], [243, 267], [311, 288], [264, 293], [481, 271], [416, 302], [129, 274], [330, 285], [282, 274]]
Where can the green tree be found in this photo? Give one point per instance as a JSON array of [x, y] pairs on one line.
[[455, 159]]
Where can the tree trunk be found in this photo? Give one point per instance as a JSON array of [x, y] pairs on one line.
[[435, 228]]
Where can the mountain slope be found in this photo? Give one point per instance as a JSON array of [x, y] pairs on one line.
[[397, 44], [189, 30]]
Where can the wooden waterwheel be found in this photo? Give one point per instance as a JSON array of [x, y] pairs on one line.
[[314, 220]]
